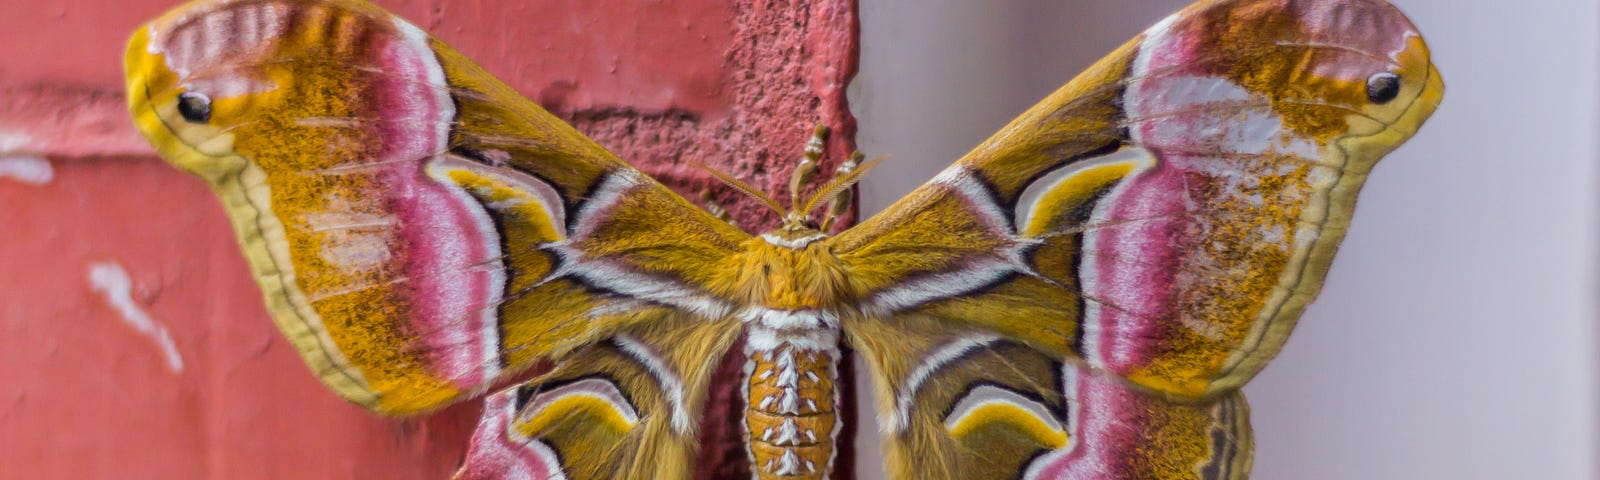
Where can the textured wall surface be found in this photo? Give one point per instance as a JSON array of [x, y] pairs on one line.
[[133, 343]]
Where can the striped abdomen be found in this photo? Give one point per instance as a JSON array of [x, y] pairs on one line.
[[790, 414]]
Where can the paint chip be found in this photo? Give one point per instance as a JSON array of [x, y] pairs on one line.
[[30, 169], [111, 280]]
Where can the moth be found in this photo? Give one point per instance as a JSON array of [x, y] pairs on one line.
[[1080, 296]]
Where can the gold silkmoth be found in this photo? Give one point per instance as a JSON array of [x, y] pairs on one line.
[[1081, 296]]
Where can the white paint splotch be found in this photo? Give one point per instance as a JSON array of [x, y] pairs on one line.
[[18, 165], [111, 280], [30, 169], [12, 142]]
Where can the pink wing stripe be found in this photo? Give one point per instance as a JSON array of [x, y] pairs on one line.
[[1135, 267], [496, 455], [450, 247]]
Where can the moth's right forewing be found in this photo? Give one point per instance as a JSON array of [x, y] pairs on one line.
[[421, 232]]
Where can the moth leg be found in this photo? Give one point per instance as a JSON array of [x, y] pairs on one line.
[[808, 165], [714, 208]]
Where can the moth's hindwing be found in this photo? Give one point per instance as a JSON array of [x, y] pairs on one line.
[[1168, 214], [1118, 432], [421, 232], [957, 403], [623, 408]]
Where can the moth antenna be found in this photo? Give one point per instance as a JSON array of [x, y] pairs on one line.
[[841, 203], [808, 164], [842, 182], [743, 187]]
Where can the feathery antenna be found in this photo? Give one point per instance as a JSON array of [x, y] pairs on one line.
[[836, 193], [841, 203], [743, 187], [841, 183]]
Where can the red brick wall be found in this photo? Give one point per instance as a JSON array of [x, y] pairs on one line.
[[177, 372]]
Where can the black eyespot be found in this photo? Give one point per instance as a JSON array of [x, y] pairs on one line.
[[1383, 87], [195, 107]]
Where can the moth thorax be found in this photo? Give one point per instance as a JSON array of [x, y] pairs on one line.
[[793, 238], [797, 281]]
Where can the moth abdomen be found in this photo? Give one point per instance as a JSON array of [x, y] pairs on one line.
[[791, 418]]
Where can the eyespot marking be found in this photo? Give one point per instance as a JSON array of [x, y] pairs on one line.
[[1383, 87], [195, 107]]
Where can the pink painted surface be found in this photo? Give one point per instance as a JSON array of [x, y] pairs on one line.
[[647, 55], [85, 393]]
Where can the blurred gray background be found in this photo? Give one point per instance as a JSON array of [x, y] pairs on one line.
[[1456, 335]]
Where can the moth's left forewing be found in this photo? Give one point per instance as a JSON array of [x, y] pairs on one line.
[[1166, 215], [1266, 119], [951, 247]]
